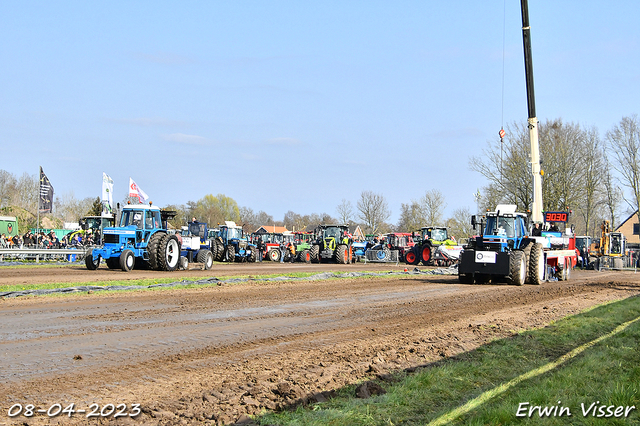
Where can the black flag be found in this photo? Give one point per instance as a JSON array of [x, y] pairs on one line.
[[45, 200]]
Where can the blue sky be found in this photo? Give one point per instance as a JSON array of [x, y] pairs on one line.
[[289, 105]]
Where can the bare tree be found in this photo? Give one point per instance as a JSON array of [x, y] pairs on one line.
[[411, 217], [327, 219], [252, 221], [373, 211], [460, 223], [562, 183], [591, 175], [345, 211], [624, 142], [612, 197], [8, 185], [505, 165], [70, 209], [27, 192], [296, 222], [510, 180], [433, 205]]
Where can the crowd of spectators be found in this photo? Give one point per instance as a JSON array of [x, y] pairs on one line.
[[49, 240]]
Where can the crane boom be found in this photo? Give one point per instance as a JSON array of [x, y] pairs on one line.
[[537, 207]]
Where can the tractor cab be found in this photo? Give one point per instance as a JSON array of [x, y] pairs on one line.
[[230, 232], [504, 229], [196, 229], [95, 223], [194, 235], [140, 219], [434, 233], [136, 226], [503, 226]]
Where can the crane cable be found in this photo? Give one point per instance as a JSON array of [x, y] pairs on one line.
[[504, 37]]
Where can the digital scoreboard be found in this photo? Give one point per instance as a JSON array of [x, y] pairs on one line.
[[556, 216]]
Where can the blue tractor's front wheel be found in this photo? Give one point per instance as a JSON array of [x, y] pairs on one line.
[[90, 262]]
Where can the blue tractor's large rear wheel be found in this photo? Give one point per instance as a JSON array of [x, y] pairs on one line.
[[152, 249], [169, 253]]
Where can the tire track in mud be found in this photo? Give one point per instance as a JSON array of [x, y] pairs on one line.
[[45, 342]]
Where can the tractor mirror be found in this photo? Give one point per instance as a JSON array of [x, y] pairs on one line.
[[473, 221]]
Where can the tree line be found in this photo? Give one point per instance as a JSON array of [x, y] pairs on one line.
[[18, 197], [582, 173]]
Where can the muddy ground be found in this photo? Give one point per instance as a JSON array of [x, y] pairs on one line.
[[217, 354]]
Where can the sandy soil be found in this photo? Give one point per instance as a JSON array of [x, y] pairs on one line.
[[215, 355]]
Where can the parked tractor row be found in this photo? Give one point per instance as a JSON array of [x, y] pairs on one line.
[[503, 250], [142, 240]]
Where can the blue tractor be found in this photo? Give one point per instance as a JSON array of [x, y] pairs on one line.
[[237, 246], [140, 240], [503, 251], [196, 245]]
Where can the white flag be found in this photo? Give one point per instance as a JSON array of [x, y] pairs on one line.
[[107, 190], [136, 191]]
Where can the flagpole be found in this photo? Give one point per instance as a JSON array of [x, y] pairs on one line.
[[38, 203]]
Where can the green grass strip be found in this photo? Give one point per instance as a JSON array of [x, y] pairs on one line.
[[486, 396], [164, 283], [578, 362]]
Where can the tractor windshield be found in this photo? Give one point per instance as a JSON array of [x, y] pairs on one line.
[[234, 233], [93, 222], [503, 226], [131, 217], [439, 234], [261, 237], [332, 232]]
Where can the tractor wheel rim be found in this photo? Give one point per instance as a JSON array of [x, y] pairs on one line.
[[172, 250], [426, 253]]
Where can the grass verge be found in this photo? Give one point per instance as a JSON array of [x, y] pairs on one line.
[[605, 372]]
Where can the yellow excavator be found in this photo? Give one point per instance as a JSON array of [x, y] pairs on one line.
[[612, 248]]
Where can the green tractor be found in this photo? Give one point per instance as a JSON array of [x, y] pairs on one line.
[[303, 242], [332, 243], [94, 225]]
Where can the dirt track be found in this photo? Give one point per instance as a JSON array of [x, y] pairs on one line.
[[210, 355]]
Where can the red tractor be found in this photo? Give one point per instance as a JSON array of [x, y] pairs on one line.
[[401, 241]]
